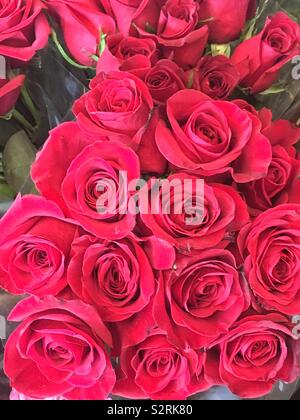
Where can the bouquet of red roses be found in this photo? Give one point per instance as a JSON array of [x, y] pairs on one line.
[[161, 255]]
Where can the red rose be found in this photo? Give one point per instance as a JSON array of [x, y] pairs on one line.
[[200, 298], [59, 350], [258, 352], [123, 11], [83, 174], [82, 22], [130, 54], [215, 76], [226, 18], [260, 58], [209, 137], [223, 212], [156, 369], [114, 277], [24, 29], [163, 80], [35, 246], [280, 186], [271, 248], [9, 93], [176, 26], [118, 105]]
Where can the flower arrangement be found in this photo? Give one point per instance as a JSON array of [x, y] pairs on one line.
[[153, 241]]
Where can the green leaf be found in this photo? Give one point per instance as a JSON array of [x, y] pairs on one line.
[[102, 44], [18, 156], [250, 27], [274, 90], [221, 49], [5, 191], [150, 28]]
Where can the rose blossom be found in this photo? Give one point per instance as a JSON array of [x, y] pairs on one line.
[[227, 18], [114, 277], [9, 93], [221, 206], [200, 298], [215, 76], [59, 349], [163, 80], [82, 22], [176, 26], [271, 250], [134, 55], [83, 175], [280, 186], [118, 105], [123, 12], [210, 137], [158, 370], [24, 28], [260, 58], [35, 246], [258, 352]]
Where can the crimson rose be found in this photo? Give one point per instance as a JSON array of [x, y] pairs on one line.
[[118, 105], [158, 370], [83, 23], [200, 298], [24, 28], [87, 180], [216, 76], [258, 352], [187, 221], [130, 54], [59, 350], [271, 249], [114, 277], [209, 137], [176, 26], [9, 93], [226, 18], [35, 246], [260, 58]]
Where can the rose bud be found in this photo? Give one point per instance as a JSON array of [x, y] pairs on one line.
[[134, 55], [216, 76], [24, 29], [260, 59], [226, 18], [83, 23], [9, 93]]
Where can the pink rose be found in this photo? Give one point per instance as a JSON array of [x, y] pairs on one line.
[[260, 58], [209, 137], [35, 247], [83, 23], [9, 93], [86, 175], [258, 352], [200, 298], [59, 349], [118, 105], [158, 370]]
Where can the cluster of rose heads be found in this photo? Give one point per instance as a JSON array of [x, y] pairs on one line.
[[148, 305], [24, 29]]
